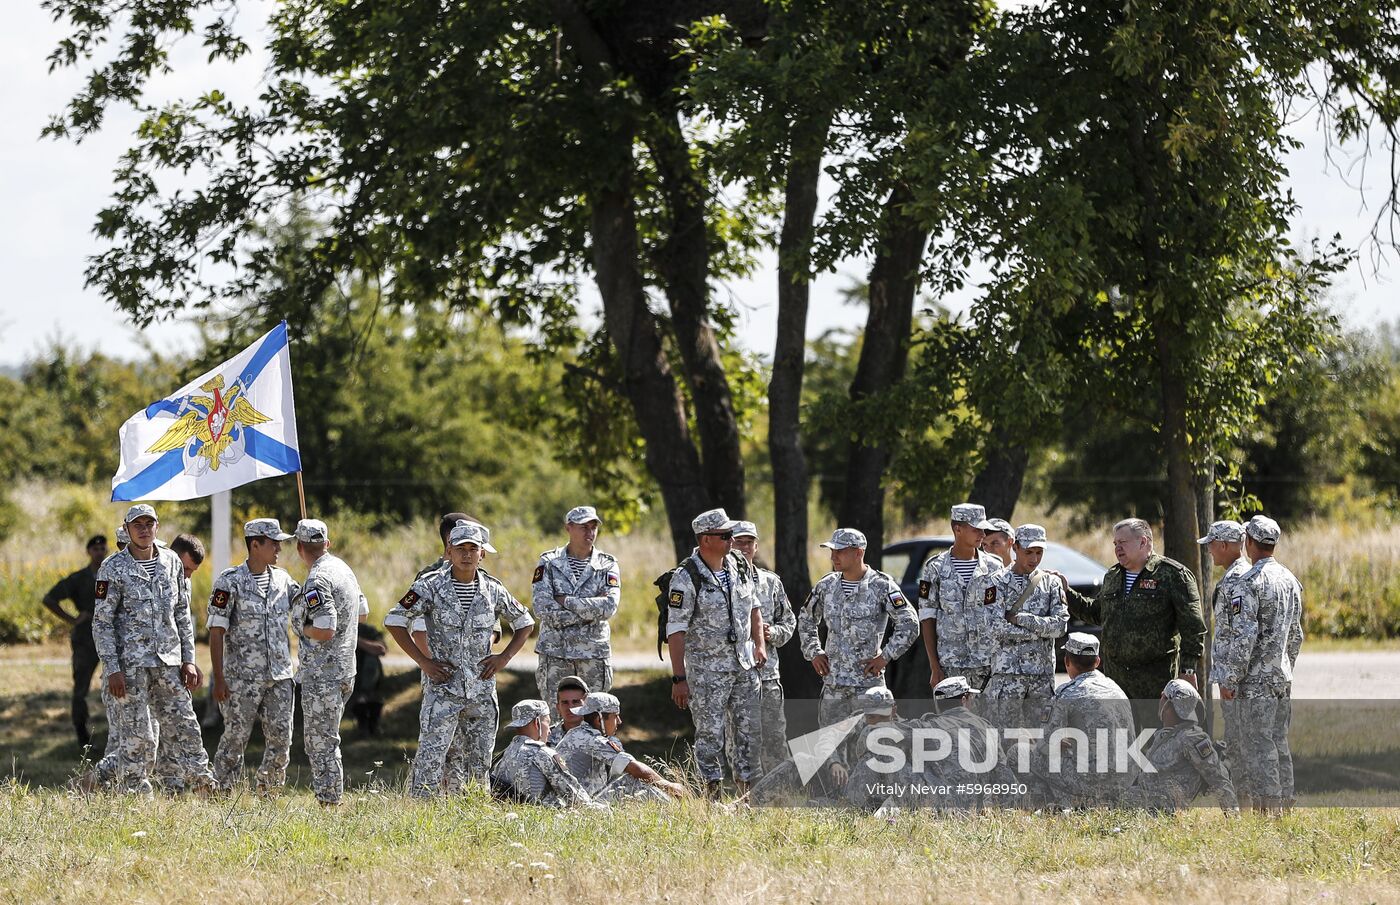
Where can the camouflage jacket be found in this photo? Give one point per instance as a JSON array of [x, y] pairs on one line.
[[462, 639], [1088, 702], [1028, 647], [715, 622], [330, 599], [256, 643], [594, 758], [1158, 621], [777, 613], [1260, 631], [576, 629], [536, 773], [855, 626], [943, 598], [140, 621], [1185, 760]]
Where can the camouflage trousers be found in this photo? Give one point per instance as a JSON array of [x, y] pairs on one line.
[[442, 720], [157, 702], [322, 707], [837, 703], [1017, 700], [163, 766], [772, 729], [629, 788], [714, 696], [268, 703], [1256, 735], [596, 671], [977, 676]]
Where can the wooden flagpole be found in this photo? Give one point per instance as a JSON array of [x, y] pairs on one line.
[[301, 495]]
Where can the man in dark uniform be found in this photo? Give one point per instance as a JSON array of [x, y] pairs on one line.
[[81, 589], [1150, 610]]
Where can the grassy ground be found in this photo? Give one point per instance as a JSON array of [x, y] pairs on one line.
[[60, 847], [55, 847]]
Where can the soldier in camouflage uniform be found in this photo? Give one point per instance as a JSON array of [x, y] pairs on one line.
[[999, 539], [327, 618], [144, 634], [1184, 757], [577, 588], [250, 613], [1225, 544], [1089, 701], [568, 694], [857, 603], [779, 623], [1150, 610], [461, 606], [531, 771], [594, 755], [1022, 611], [1257, 640], [714, 630], [953, 643]]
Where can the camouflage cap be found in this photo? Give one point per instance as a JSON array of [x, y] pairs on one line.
[[526, 712], [485, 531], [972, 514], [1002, 525], [269, 528], [582, 515], [1263, 529], [471, 533], [572, 682], [954, 687], [598, 702], [878, 700], [1183, 698], [122, 536], [1082, 644], [745, 529], [139, 510], [1028, 537], [843, 538], [312, 531], [713, 521], [1224, 530]]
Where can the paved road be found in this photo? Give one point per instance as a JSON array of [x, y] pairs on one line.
[[1361, 675]]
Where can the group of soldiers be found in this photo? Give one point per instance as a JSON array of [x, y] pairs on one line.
[[989, 617]]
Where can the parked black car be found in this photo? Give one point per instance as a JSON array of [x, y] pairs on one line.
[[904, 560]]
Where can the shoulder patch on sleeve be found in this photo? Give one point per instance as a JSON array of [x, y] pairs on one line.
[[539, 574], [924, 588], [101, 591], [614, 580], [897, 599], [989, 596], [615, 745], [313, 598], [559, 762], [1205, 747], [1235, 604], [409, 599], [219, 599], [677, 598]]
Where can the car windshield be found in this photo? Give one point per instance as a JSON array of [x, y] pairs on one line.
[[1077, 567]]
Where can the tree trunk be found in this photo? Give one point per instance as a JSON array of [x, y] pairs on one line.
[[683, 261], [1180, 509], [894, 282], [647, 380], [790, 483], [998, 484]]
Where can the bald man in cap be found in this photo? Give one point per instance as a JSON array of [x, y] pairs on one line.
[[1259, 636]]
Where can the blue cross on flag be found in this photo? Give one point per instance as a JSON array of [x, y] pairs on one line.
[[228, 427]]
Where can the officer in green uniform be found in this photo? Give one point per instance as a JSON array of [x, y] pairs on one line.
[[1150, 610]]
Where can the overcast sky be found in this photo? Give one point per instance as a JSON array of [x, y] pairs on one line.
[[51, 191]]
